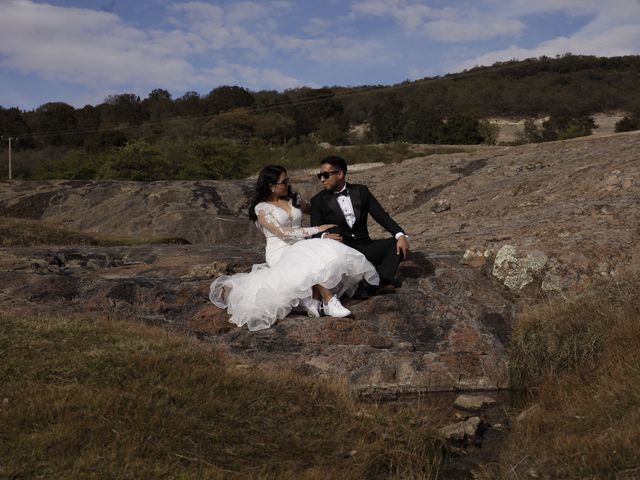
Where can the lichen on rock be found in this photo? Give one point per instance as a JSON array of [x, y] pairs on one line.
[[517, 268]]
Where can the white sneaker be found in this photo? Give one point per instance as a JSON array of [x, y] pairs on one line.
[[312, 307], [335, 309]]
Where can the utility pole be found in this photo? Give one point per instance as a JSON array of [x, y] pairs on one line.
[[10, 139]]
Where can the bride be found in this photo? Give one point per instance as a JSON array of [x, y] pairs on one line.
[[300, 271]]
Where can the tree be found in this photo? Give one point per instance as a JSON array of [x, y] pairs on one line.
[[125, 108], [158, 104], [463, 130], [422, 126], [189, 104], [629, 122], [530, 134], [274, 127], [332, 130], [225, 98], [489, 132], [106, 140], [55, 124], [213, 159], [386, 119], [564, 124], [236, 125], [13, 124], [88, 118], [308, 107]]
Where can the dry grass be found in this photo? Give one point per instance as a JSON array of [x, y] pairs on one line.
[[19, 232], [583, 357], [86, 399]]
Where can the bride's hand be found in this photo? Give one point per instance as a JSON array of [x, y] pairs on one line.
[[325, 227]]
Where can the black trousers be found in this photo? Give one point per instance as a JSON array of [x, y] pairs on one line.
[[382, 254]]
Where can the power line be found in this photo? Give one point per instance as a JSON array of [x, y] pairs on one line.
[[201, 116]]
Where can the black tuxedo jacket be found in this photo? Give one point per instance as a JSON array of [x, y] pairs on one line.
[[325, 209]]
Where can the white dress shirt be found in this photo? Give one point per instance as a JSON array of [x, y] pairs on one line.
[[344, 202]]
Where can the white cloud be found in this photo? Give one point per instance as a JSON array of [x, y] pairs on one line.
[[100, 52], [88, 47], [333, 49], [471, 30], [612, 31], [326, 26], [411, 15], [444, 25]]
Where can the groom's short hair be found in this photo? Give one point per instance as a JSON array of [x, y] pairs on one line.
[[336, 162]]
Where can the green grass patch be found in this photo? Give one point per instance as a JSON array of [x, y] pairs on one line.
[[581, 356], [19, 232], [81, 398]]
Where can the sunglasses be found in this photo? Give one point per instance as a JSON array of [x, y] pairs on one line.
[[326, 175], [284, 182]]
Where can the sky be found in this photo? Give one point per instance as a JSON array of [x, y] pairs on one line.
[[81, 51]]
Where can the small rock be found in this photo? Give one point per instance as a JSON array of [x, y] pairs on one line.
[[406, 346], [362, 414], [378, 341], [473, 402], [476, 256], [463, 432], [441, 206]]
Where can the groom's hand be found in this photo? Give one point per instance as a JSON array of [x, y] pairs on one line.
[[333, 236], [402, 246]]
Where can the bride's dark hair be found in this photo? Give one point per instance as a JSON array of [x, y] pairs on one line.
[[267, 177]]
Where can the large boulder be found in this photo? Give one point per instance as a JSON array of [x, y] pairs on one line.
[[208, 212]]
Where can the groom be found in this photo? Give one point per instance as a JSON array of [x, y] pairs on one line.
[[348, 205]]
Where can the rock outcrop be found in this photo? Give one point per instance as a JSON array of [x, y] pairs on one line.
[[199, 212], [490, 228], [446, 329], [575, 202]]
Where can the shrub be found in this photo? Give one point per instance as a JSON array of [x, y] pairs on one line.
[[138, 160], [489, 132], [76, 164], [565, 125], [213, 159], [629, 122], [462, 130]]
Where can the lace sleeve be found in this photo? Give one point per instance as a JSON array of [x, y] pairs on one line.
[[267, 220]]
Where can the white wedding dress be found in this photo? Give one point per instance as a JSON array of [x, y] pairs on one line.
[[294, 264]]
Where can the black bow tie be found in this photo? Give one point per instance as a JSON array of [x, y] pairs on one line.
[[344, 192]]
